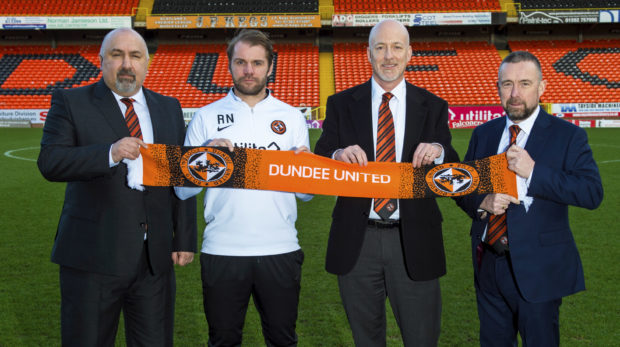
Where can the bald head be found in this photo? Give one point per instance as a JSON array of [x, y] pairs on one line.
[[388, 53], [388, 25], [109, 36], [124, 61]]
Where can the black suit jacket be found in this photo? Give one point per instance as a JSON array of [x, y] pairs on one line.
[[102, 224], [349, 122]]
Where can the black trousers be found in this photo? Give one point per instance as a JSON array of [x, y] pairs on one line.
[[273, 281], [91, 304], [380, 273]]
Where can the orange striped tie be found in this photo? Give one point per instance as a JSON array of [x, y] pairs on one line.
[[131, 118], [386, 151], [497, 228]]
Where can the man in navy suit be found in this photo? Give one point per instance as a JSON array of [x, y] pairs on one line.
[[522, 273], [115, 246], [397, 252]]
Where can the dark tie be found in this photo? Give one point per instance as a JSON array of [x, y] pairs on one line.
[[386, 151], [496, 231], [131, 118]]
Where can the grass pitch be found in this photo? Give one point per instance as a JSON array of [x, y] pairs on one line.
[[29, 294]]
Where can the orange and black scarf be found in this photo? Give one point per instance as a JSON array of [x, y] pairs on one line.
[[167, 165]]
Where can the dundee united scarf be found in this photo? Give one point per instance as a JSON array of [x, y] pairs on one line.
[[166, 165]]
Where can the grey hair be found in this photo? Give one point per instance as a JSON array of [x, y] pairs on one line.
[[517, 57]]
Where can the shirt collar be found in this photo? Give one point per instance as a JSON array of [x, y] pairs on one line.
[[398, 91], [238, 99], [138, 97], [527, 124]]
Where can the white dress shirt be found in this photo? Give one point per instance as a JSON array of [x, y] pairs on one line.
[[144, 117]]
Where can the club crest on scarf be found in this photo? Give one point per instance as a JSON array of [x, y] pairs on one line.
[[207, 167], [452, 179]]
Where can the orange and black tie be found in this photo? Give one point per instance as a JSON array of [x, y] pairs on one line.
[[132, 119], [386, 151]]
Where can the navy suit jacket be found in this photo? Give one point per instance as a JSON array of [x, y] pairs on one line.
[[544, 256], [349, 122], [103, 221]]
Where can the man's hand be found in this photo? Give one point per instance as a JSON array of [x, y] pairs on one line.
[[352, 154], [426, 153], [302, 149], [497, 203], [127, 147], [220, 143], [182, 258], [519, 161]]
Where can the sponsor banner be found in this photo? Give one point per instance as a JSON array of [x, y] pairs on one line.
[[609, 16], [558, 17], [413, 19], [608, 123], [34, 115], [237, 21], [167, 165], [583, 123], [314, 123], [472, 116], [611, 109], [82, 22], [188, 114]]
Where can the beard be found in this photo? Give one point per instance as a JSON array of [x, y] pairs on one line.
[[518, 114], [259, 87], [125, 84]]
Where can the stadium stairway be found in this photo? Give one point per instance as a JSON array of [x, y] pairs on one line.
[[326, 74]]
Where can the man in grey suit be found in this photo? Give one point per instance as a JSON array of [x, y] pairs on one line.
[[115, 246]]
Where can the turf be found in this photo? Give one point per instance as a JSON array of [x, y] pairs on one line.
[[29, 295]]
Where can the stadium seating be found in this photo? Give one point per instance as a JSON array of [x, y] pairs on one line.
[[568, 4], [67, 7], [463, 73], [586, 72], [29, 74], [198, 74], [398, 6], [238, 6], [195, 74]]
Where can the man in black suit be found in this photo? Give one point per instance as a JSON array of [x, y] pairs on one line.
[[115, 246], [390, 248]]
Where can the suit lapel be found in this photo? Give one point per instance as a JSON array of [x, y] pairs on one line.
[[109, 109], [361, 112], [538, 137], [415, 117], [156, 115], [494, 136]]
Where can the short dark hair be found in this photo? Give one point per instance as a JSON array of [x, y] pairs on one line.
[[519, 56], [253, 38]]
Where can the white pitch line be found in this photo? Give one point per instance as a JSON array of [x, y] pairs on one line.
[[609, 161], [10, 153]]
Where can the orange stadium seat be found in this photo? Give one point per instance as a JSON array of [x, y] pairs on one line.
[[577, 72], [29, 74], [195, 74], [67, 7], [198, 74], [463, 73]]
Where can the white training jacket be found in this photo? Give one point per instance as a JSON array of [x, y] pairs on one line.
[[244, 222]]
